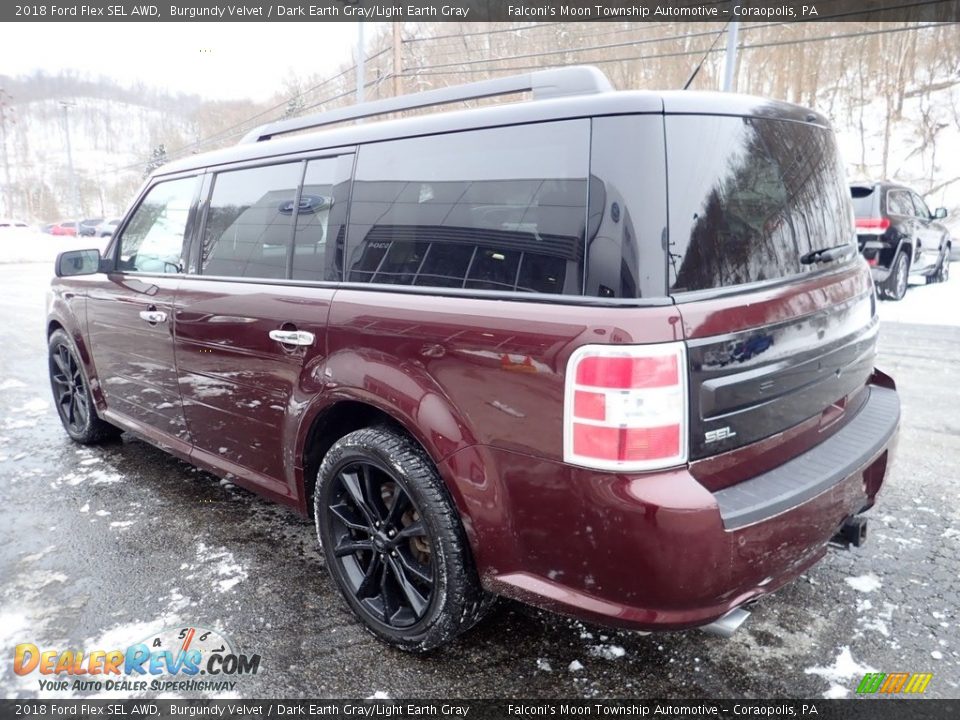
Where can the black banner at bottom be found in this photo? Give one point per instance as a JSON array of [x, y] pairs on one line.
[[855, 709]]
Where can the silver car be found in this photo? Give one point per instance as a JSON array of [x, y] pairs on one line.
[[106, 228]]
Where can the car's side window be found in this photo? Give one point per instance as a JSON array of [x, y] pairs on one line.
[[153, 239], [497, 209], [250, 221], [922, 210], [898, 203], [319, 237]]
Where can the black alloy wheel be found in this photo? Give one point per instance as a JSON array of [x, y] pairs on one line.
[[895, 286], [943, 272], [394, 542], [381, 545], [71, 393], [69, 389]]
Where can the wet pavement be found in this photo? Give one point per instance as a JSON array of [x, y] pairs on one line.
[[103, 547]]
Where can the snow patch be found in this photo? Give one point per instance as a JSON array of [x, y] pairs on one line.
[[36, 406], [864, 583], [224, 566], [575, 666], [102, 477], [844, 669], [15, 627], [11, 424], [37, 556], [608, 652]]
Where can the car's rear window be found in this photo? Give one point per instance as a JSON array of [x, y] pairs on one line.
[[749, 197], [864, 200]]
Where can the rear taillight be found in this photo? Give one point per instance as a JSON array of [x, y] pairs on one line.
[[626, 407], [872, 226]]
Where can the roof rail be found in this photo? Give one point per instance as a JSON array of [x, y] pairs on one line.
[[560, 82]]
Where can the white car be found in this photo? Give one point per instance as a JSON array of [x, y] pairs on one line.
[[8, 223]]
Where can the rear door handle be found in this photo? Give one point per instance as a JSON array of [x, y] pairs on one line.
[[292, 337], [153, 316]]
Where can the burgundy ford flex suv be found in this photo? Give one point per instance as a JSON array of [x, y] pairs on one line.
[[607, 353]]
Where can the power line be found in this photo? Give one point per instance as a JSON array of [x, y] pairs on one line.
[[609, 46], [482, 32], [247, 124], [430, 70]]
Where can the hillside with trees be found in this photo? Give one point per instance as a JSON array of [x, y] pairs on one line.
[[892, 91]]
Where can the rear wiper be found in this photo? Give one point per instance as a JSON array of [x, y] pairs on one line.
[[826, 254]]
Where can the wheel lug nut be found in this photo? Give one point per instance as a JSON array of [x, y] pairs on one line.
[[391, 533]]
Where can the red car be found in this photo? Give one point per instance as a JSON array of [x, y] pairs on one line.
[[64, 227], [607, 353]]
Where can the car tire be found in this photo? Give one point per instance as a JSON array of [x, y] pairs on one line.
[[393, 541], [71, 393], [943, 269], [895, 286]]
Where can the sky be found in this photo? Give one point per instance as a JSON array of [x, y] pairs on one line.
[[239, 60]]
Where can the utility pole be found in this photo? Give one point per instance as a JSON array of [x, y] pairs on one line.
[[361, 71], [6, 108], [729, 71], [397, 61], [73, 178]]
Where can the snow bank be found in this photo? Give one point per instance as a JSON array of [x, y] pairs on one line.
[[20, 245], [926, 304]]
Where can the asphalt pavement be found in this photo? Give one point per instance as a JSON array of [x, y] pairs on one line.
[[102, 547]]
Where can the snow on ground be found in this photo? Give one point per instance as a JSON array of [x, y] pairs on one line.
[[864, 583], [224, 564], [18, 245], [839, 675], [937, 304], [608, 652]]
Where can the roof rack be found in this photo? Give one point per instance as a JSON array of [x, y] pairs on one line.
[[560, 82]]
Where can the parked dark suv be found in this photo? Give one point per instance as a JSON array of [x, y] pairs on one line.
[[491, 358], [899, 236]]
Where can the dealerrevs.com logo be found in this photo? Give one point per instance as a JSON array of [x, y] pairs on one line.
[[187, 659]]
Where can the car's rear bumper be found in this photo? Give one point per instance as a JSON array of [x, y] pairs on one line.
[[659, 551]]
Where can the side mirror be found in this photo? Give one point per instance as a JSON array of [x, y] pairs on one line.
[[939, 213], [78, 262]]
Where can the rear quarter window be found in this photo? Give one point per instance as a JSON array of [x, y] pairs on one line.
[[749, 197], [494, 209]]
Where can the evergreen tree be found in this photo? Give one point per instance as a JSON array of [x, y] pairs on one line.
[[157, 159], [295, 104]]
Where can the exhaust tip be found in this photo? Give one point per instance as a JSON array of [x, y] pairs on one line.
[[727, 625]]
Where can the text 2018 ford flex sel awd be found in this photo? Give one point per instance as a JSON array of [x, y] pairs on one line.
[[608, 353]]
